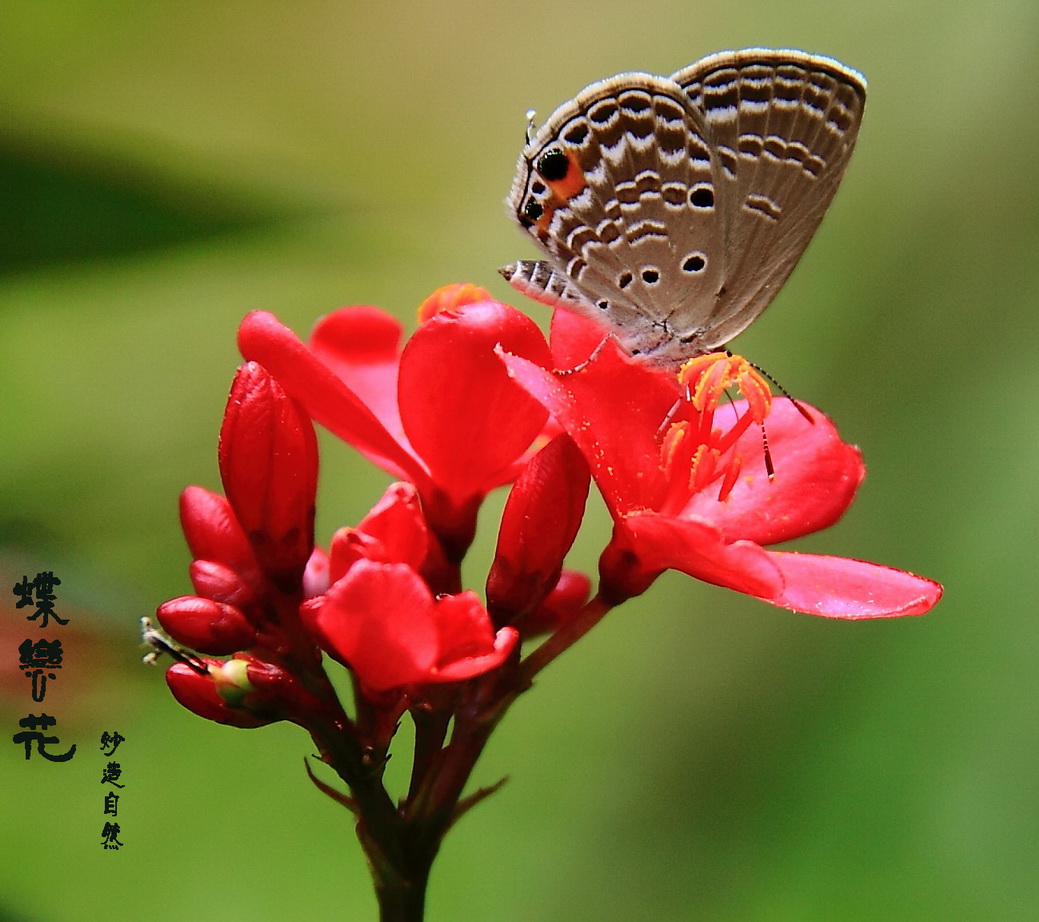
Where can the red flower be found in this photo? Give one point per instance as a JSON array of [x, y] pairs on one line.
[[671, 475], [382, 621], [442, 413]]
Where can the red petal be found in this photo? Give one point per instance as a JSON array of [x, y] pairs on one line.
[[504, 643], [838, 587], [613, 409], [394, 531], [326, 398], [361, 345], [574, 339], [834, 587], [464, 627], [646, 544], [348, 545], [463, 414], [817, 476], [396, 521], [379, 619]]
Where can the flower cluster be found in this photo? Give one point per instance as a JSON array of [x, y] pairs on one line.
[[477, 399]]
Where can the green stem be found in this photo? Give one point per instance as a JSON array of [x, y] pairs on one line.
[[401, 888]]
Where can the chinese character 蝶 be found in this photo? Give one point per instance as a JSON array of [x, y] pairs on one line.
[[43, 587]]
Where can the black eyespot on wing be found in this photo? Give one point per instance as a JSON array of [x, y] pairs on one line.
[[701, 197], [603, 305], [650, 276], [553, 164], [532, 210], [694, 262], [626, 278]]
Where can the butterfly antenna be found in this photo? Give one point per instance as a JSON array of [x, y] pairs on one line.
[[779, 387], [769, 467], [530, 125], [160, 643]]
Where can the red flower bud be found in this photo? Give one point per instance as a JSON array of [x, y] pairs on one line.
[[199, 694], [541, 519], [207, 626], [220, 583], [268, 463], [212, 531]]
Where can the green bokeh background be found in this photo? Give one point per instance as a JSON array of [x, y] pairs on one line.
[[165, 168]]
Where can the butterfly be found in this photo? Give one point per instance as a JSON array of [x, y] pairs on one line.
[[672, 209]]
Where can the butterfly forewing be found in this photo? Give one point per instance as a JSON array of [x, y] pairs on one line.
[[672, 209], [603, 186]]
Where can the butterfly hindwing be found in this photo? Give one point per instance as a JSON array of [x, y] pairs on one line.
[[784, 124]]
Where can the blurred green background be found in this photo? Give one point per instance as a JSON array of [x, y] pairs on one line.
[[165, 168]]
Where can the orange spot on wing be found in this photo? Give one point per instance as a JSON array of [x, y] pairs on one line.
[[572, 183]]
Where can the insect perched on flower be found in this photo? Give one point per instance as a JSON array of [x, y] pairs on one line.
[[672, 209]]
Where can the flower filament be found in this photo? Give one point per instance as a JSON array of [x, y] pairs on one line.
[[697, 442]]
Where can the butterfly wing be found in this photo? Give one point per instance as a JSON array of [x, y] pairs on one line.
[[783, 124], [617, 189]]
